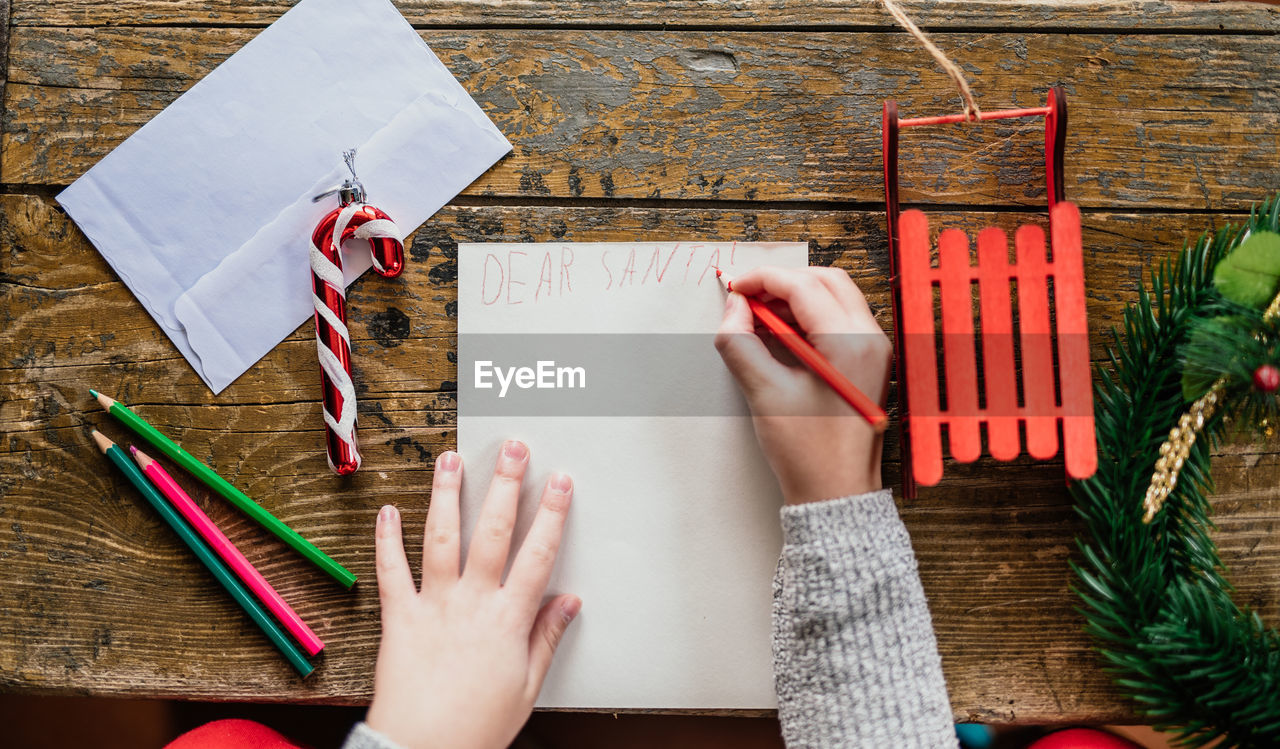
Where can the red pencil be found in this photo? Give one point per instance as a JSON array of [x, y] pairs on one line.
[[228, 552], [814, 360]]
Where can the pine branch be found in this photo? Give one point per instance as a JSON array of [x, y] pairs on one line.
[[1155, 596]]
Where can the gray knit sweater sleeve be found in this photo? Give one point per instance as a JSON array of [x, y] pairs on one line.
[[854, 658], [855, 662]]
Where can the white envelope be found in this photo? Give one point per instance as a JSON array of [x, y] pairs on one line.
[[206, 211]]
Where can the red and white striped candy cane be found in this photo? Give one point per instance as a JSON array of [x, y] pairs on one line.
[[352, 219]]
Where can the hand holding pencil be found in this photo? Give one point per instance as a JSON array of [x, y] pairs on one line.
[[820, 441]]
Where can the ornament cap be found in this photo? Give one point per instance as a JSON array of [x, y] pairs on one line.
[[351, 190]]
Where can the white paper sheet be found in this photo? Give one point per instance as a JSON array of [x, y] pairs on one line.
[[674, 532], [205, 212]]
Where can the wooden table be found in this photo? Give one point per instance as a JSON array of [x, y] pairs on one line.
[[631, 119]]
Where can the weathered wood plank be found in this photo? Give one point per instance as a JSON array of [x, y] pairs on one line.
[[1072, 14], [99, 591], [4, 56], [102, 600], [58, 290], [1156, 120]]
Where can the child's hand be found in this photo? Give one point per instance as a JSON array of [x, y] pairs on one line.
[[462, 660], [817, 445]]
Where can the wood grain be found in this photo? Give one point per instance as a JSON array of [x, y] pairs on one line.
[[1080, 15], [1155, 120], [103, 601], [4, 57], [59, 288], [766, 112]]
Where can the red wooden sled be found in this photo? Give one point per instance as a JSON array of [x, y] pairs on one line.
[[1042, 406]]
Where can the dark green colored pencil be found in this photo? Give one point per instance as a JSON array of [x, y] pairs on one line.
[[224, 487], [206, 555]]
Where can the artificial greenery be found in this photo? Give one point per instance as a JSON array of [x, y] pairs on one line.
[[1250, 274], [1155, 596], [1226, 350]]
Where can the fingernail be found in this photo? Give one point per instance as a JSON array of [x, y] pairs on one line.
[[570, 608], [386, 514], [561, 482], [449, 461], [514, 449]]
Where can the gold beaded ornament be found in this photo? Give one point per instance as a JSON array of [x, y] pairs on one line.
[[1174, 451]]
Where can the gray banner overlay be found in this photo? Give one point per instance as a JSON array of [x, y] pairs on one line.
[[594, 375], [634, 375]]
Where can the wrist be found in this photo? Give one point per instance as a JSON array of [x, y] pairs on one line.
[[817, 477], [823, 491], [389, 729]]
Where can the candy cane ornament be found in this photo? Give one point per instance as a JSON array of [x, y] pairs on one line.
[[352, 219]]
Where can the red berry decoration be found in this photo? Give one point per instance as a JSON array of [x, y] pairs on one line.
[[1266, 378]]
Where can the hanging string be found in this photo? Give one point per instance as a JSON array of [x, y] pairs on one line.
[[971, 110]]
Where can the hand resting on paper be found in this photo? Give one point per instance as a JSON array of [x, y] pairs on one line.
[[818, 447], [462, 659]]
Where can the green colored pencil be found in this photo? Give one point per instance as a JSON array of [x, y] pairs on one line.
[[202, 551], [224, 487]]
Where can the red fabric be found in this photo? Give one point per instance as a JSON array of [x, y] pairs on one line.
[[232, 734], [1083, 738]]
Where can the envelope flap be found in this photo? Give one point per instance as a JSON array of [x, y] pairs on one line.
[[411, 167], [213, 174]]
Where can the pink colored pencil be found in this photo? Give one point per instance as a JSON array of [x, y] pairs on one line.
[[223, 547]]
